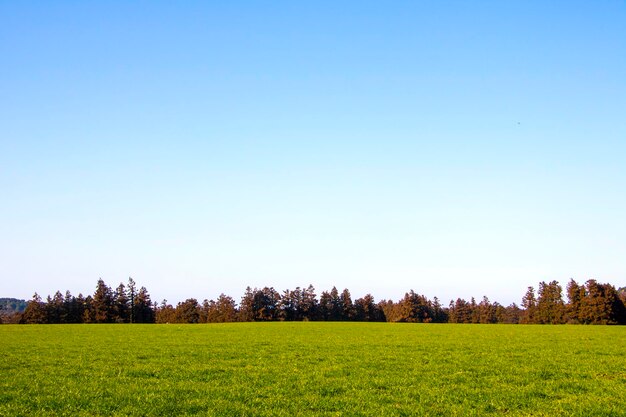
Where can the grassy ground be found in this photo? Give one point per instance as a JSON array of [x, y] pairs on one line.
[[294, 369]]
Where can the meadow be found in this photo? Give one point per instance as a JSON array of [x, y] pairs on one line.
[[311, 369]]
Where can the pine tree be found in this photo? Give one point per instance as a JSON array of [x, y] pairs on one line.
[[440, 315], [575, 296], [35, 312], [88, 310], [550, 306], [104, 309], [165, 313], [289, 305], [55, 310], [414, 308], [486, 312], [367, 310], [347, 307], [601, 305], [336, 309], [529, 304], [308, 304], [325, 306], [122, 305], [131, 289], [144, 312], [188, 311], [265, 304], [460, 311], [246, 307]]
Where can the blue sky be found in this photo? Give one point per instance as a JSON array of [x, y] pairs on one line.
[[455, 148]]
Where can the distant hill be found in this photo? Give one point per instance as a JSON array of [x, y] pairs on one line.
[[11, 305]]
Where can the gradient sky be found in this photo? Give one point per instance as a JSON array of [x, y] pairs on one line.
[[455, 148]]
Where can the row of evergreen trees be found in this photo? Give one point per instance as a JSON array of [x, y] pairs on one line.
[[125, 304], [590, 303]]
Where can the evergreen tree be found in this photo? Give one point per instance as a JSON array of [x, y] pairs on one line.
[[367, 310], [575, 296], [122, 305], [475, 316], [246, 307], [165, 313], [76, 309], [529, 304], [224, 310], [104, 310], [55, 310], [325, 307], [414, 308], [144, 312], [308, 304], [188, 311], [601, 305], [89, 315], [347, 307], [390, 310], [550, 307], [460, 311], [131, 289], [289, 305], [73, 312], [265, 304], [486, 312], [35, 312], [336, 309], [440, 314]]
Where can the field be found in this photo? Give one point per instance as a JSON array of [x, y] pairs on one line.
[[312, 369]]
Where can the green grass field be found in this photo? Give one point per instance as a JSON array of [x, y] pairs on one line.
[[294, 369]]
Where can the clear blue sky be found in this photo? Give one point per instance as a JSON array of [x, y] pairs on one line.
[[455, 148]]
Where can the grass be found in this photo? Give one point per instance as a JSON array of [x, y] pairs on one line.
[[291, 369]]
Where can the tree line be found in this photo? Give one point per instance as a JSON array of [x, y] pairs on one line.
[[125, 304], [588, 303]]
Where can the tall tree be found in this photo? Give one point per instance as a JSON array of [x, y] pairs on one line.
[[529, 304], [347, 307], [460, 311], [246, 307], [55, 308], [131, 288], [390, 310], [486, 311], [144, 312], [104, 310], [575, 296], [89, 315], [325, 307], [73, 307], [336, 309], [188, 311], [165, 313], [550, 305], [367, 310], [308, 304], [440, 314], [35, 312], [224, 310], [122, 304], [265, 304], [601, 305], [289, 305], [415, 308]]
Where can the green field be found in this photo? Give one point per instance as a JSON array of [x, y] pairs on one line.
[[312, 369]]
